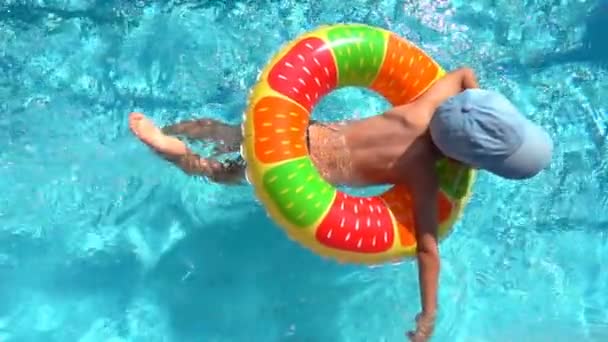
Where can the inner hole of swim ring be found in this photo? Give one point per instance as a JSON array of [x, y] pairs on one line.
[[349, 103]]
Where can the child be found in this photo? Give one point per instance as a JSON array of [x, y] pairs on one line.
[[453, 118]]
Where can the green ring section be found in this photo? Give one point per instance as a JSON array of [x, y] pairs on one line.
[[299, 192], [454, 178], [359, 51]]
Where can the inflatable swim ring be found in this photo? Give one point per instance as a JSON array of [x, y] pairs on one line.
[[331, 223]]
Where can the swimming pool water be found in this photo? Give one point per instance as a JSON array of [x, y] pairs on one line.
[[101, 241]]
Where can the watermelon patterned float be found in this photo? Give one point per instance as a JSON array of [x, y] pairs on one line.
[[334, 224]]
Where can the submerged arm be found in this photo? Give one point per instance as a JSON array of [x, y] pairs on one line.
[[426, 221]]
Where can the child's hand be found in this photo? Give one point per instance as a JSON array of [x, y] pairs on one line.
[[424, 328]]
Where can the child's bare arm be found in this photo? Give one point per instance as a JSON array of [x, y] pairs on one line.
[[451, 84], [426, 220]]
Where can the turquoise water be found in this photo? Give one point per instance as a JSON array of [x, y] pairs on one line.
[[101, 241]]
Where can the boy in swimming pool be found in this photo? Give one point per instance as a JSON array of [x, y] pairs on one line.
[[453, 118]]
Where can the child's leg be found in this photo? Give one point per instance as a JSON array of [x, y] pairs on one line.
[[232, 171], [227, 137], [178, 153]]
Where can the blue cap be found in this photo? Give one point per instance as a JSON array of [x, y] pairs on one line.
[[483, 129]]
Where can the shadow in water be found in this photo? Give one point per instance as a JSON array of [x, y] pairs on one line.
[[242, 277], [592, 48]]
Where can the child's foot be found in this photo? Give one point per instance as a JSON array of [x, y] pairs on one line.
[[144, 129]]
